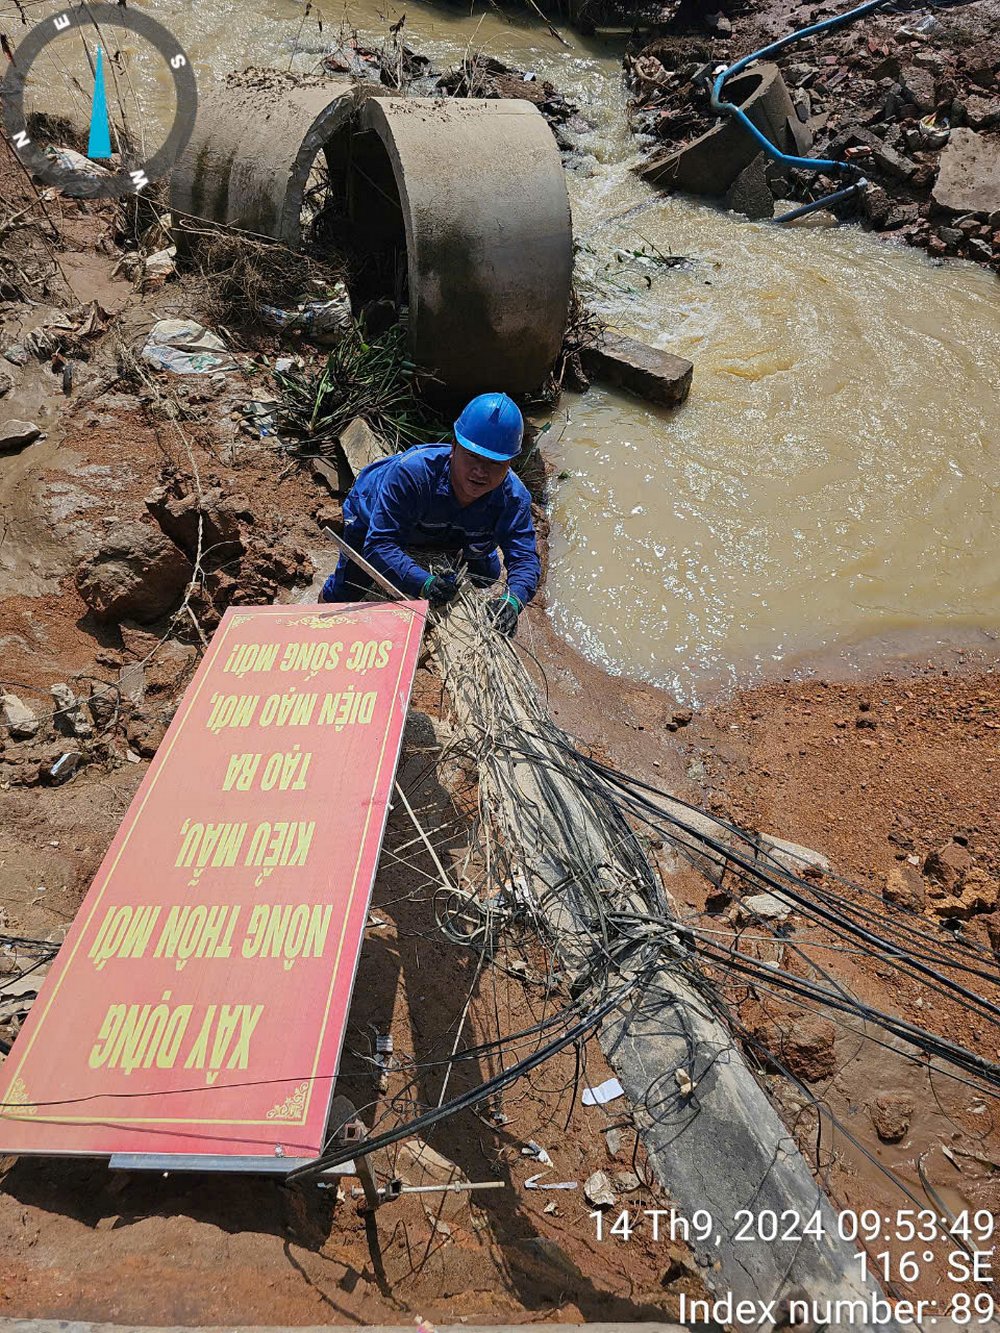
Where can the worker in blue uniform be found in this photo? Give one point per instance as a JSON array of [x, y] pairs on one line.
[[461, 498]]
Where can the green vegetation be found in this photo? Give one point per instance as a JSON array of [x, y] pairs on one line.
[[362, 378]]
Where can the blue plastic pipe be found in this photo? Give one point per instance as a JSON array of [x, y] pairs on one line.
[[731, 109]]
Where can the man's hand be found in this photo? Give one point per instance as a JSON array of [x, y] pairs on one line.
[[439, 589], [503, 612]]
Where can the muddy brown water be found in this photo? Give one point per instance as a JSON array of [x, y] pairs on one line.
[[832, 480]]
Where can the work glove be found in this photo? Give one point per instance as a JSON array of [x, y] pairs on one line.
[[439, 589], [502, 612]]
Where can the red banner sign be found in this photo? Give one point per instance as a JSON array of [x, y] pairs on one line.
[[199, 1002]]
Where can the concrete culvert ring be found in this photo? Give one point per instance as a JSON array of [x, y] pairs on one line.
[[482, 199], [255, 144], [709, 164], [457, 209]]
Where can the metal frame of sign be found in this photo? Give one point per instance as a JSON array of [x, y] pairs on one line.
[[233, 896]]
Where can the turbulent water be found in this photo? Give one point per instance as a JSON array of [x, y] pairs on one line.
[[833, 478]]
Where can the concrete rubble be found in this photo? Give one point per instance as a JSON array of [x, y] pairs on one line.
[[913, 105]]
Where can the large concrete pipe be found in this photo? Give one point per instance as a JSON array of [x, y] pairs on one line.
[[488, 232], [254, 144]]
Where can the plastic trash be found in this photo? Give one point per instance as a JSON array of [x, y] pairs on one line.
[[64, 767], [535, 1150], [68, 159], [260, 417], [186, 347], [323, 322]]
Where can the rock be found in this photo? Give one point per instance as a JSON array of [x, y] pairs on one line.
[[177, 509], [103, 706], [145, 735], [17, 355], [15, 435], [750, 193], [975, 892], [763, 906], [929, 59], [792, 855], [948, 866], [6, 383], [599, 1190], [969, 175], [613, 1138], [981, 113], [904, 887], [918, 88], [137, 574], [21, 721], [981, 73], [656, 376], [719, 25], [902, 215], [805, 1046], [680, 717], [891, 1113], [169, 669], [69, 717], [876, 206], [626, 1182], [882, 156], [951, 236]]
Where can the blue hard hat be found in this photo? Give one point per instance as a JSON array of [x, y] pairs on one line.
[[491, 426]]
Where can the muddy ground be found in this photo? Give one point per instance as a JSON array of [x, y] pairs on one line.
[[882, 770], [120, 453]]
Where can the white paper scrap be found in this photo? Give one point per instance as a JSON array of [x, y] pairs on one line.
[[600, 1096]]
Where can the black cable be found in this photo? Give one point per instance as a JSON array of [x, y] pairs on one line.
[[472, 1097]]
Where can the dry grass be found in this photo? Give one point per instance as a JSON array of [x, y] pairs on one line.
[[242, 272]]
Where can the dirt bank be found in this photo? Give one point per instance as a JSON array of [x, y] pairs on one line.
[[131, 457]]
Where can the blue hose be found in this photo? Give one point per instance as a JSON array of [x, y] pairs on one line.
[[771, 149]]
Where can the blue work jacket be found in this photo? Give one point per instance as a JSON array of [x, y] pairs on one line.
[[406, 500]]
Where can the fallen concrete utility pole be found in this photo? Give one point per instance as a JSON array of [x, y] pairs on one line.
[[713, 1138]]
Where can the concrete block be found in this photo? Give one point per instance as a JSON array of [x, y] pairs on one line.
[[750, 193], [361, 446], [645, 371]]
